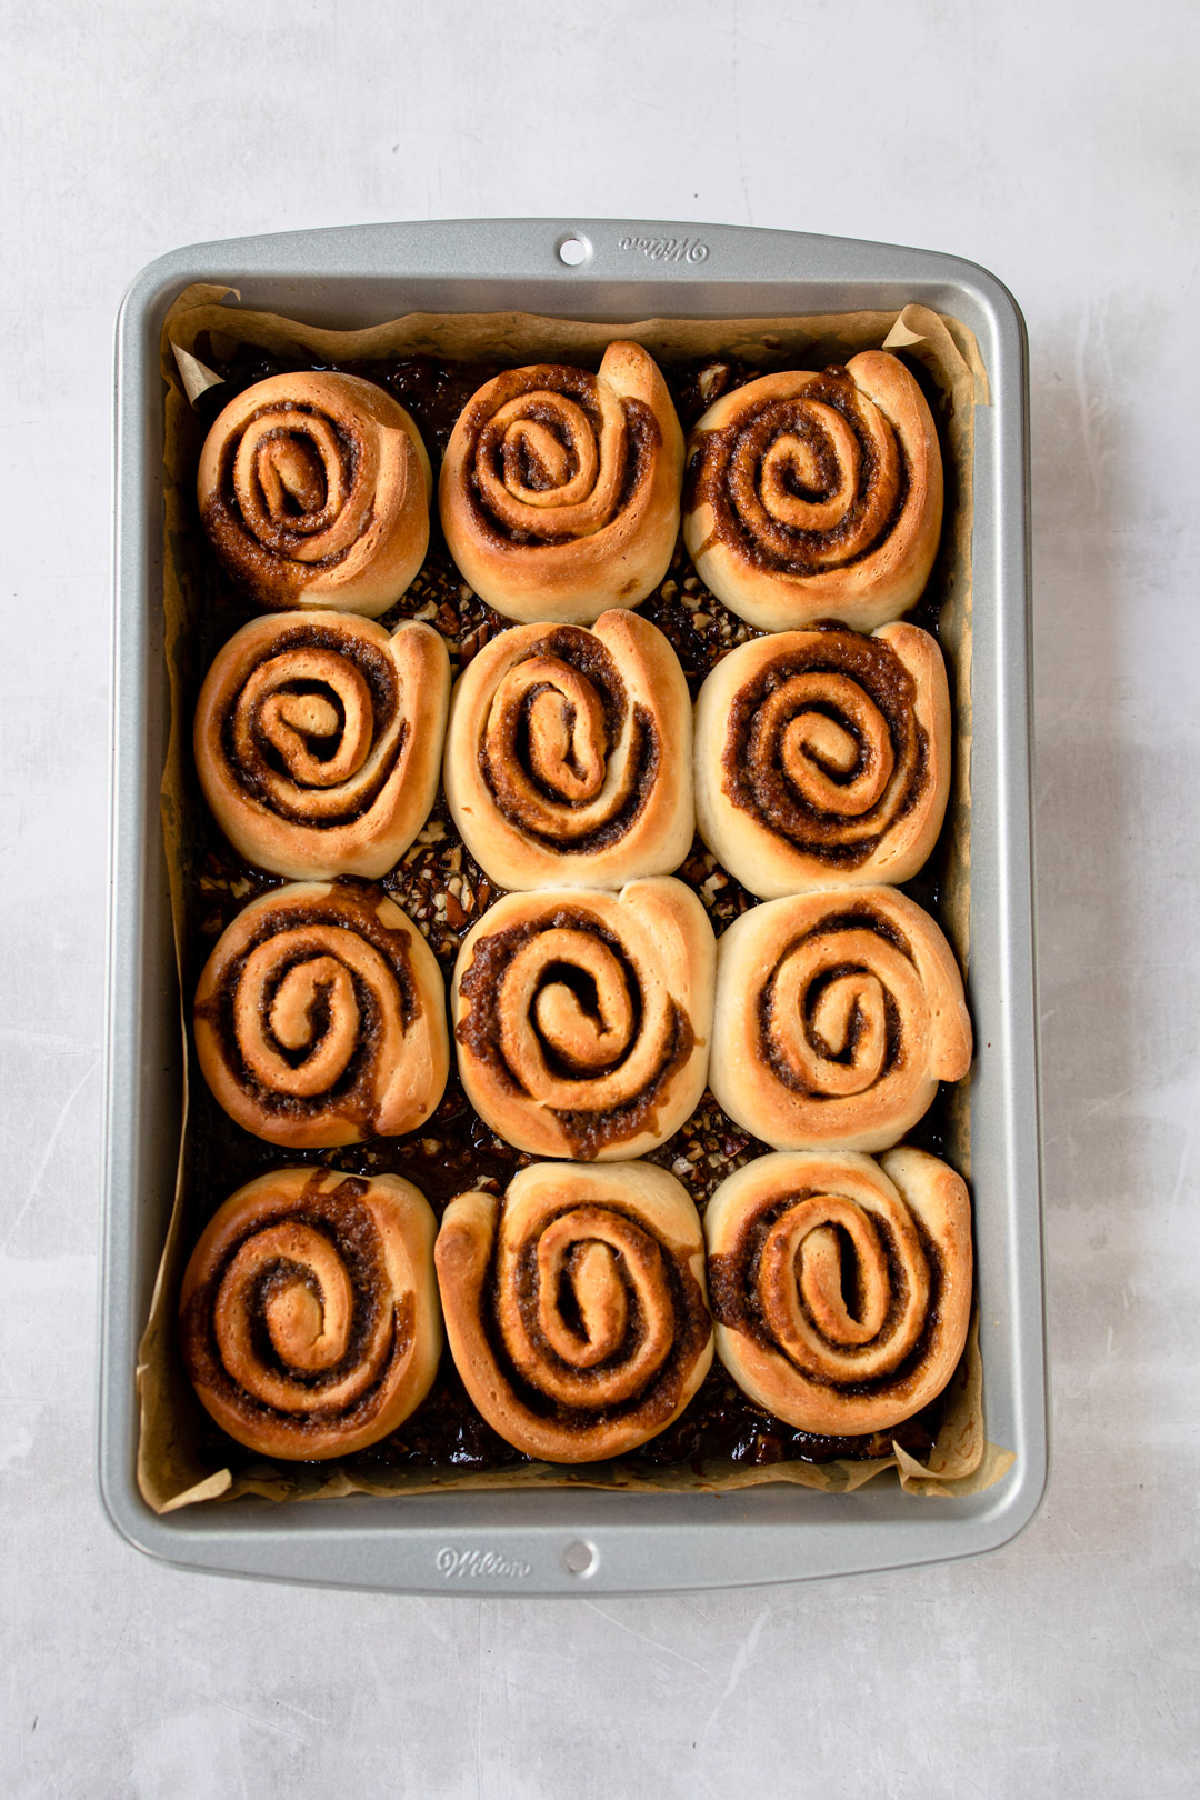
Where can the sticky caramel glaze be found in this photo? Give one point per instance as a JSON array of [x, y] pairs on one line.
[[455, 1150]]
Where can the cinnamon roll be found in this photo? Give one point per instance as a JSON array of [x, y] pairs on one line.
[[837, 1013], [314, 488], [824, 756], [575, 1306], [567, 756], [320, 1018], [559, 490], [841, 1287], [309, 1319], [318, 738], [582, 1019], [817, 495]]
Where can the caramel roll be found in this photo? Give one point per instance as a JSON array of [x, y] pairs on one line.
[[314, 489], [817, 495], [320, 1018], [559, 490], [841, 1287], [318, 739], [308, 1316], [837, 1013], [824, 756], [582, 1019], [575, 1306], [567, 759]]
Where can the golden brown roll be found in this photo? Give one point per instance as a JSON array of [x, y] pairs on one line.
[[582, 1019], [309, 1316], [318, 738], [841, 1290], [320, 1018], [567, 758], [824, 756], [575, 1306], [837, 1014], [314, 489], [817, 495], [559, 489]]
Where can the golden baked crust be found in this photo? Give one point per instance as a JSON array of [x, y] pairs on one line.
[[567, 758], [575, 1307], [559, 490], [582, 1019], [309, 1319], [320, 1018], [837, 1013], [318, 739], [817, 495], [783, 1232], [824, 756], [314, 488]]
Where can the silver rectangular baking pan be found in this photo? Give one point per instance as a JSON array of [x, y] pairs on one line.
[[572, 1540]]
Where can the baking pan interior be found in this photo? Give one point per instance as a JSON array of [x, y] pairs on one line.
[[562, 1539]]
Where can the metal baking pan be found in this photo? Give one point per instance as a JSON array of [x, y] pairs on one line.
[[564, 1540]]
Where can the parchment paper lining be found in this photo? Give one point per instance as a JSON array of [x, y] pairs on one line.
[[171, 1471]]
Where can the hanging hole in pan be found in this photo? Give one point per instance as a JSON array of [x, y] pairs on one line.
[[579, 1558], [573, 250]]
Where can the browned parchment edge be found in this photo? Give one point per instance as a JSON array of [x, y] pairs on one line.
[[171, 1473]]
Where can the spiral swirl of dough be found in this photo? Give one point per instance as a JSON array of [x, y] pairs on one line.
[[817, 495], [824, 756], [566, 758], [837, 1013], [319, 1018], [575, 1307], [559, 490], [841, 1289], [582, 1019], [309, 1318], [314, 488], [318, 740]]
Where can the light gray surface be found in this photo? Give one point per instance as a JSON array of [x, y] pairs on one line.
[[556, 1542], [1065, 157]]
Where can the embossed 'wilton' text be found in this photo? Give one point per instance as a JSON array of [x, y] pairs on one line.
[[692, 250], [476, 1565]]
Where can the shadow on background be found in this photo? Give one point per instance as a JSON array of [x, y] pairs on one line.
[[1115, 918]]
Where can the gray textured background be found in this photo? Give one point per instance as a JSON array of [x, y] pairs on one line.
[[1066, 156]]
